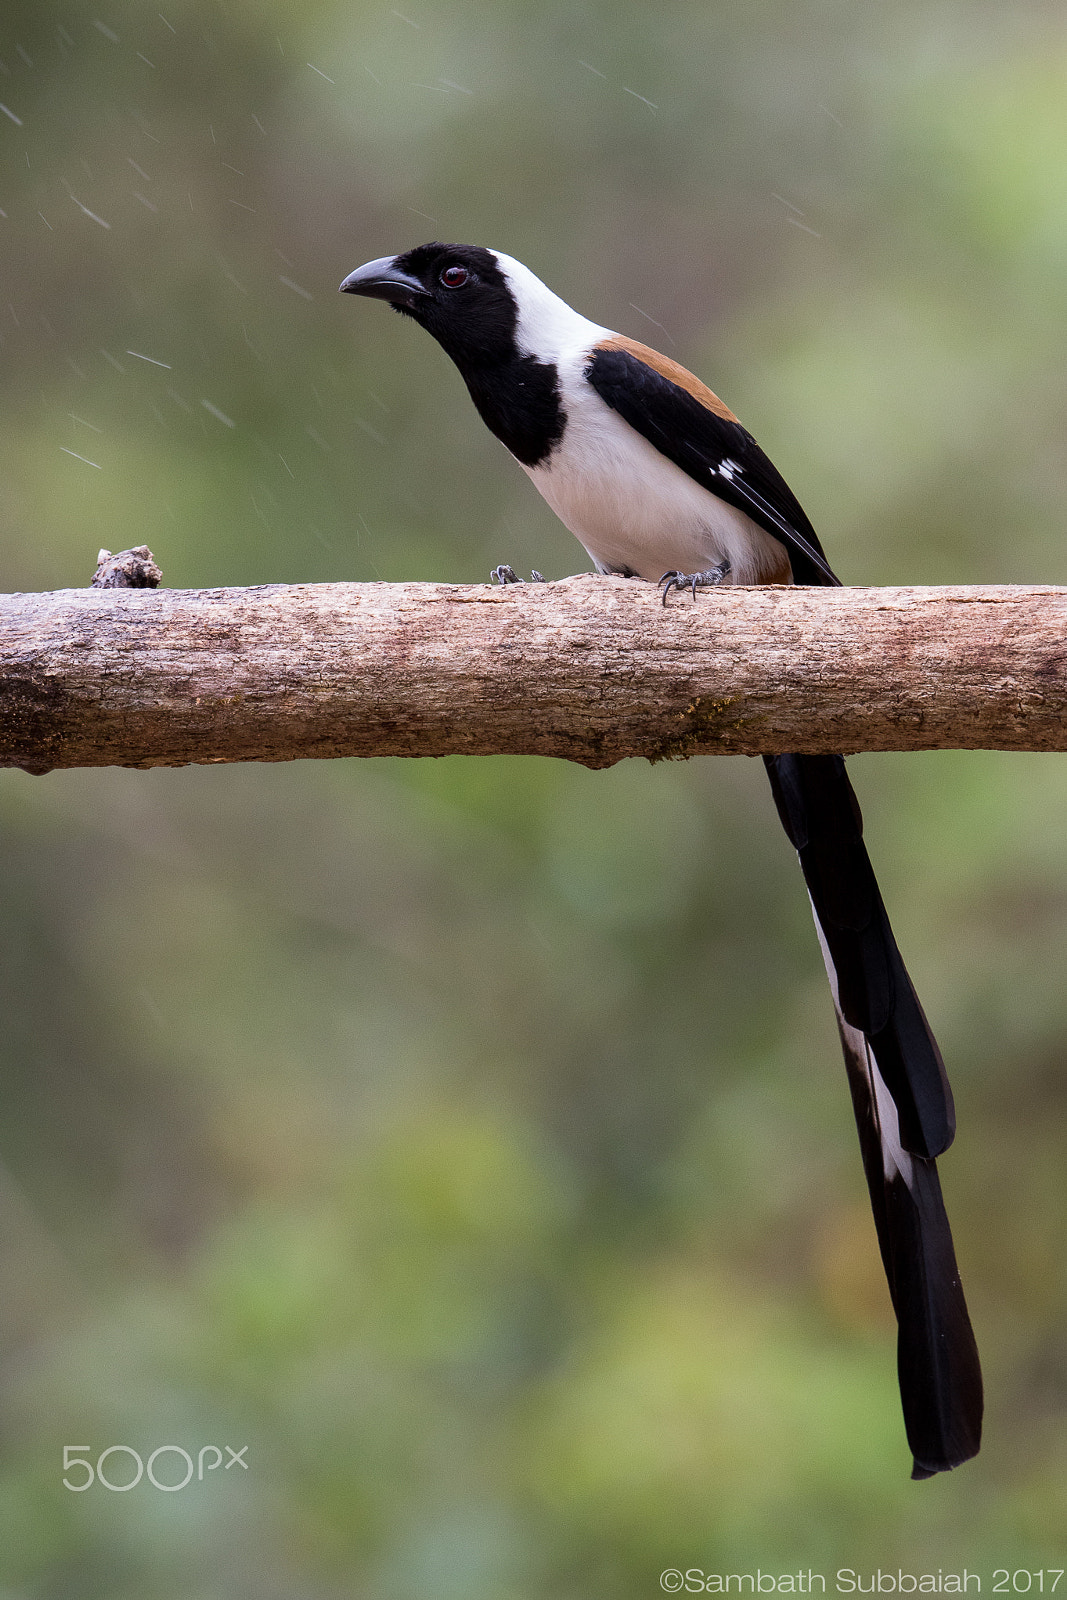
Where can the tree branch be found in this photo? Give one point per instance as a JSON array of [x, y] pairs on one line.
[[591, 669]]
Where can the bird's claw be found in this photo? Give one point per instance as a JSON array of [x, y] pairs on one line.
[[710, 579], [505, 575]]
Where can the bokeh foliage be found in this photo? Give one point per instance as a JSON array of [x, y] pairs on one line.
[[469, 1137]]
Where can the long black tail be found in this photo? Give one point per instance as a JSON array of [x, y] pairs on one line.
[[903, 1108]]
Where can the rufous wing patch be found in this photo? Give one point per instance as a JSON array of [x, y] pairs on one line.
[[672, 370]]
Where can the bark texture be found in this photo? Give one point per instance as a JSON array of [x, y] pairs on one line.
[[591, 669]]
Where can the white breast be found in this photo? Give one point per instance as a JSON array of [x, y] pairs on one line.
[[632, 508]]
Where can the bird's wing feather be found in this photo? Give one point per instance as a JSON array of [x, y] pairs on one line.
[[692, 428]]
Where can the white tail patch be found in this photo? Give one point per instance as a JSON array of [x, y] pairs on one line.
[[895, 1159]]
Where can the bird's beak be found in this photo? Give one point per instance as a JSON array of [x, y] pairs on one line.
[[384, 280]]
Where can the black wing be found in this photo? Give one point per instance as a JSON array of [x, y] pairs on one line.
[[719, 454]]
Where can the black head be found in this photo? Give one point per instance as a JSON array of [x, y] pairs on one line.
[[469, 299], [458, 292]]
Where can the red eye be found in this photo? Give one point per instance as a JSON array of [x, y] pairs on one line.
[[454, 277]]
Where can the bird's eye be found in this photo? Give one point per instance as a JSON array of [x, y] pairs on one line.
[[454, 277]]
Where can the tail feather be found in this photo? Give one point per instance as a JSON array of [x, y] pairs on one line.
[[937, 1359], [902, 1105], [821, 815]]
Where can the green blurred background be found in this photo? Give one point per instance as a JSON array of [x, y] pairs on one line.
[[469, 1137]]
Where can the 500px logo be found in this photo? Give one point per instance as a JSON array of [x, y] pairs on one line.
[[77, 1460]]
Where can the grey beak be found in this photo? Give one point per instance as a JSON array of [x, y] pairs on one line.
[[383, 280]]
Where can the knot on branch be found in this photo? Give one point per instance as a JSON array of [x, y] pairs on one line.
[[130, 569]]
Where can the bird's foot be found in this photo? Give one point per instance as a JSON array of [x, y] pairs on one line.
[[710, 579], [505, 575]]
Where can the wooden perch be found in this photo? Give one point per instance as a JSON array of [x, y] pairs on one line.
[[591, 669]]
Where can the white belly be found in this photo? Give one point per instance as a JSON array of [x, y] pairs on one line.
[[632, 508]]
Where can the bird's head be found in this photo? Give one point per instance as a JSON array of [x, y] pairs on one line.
[[458, 292], [483, 307]]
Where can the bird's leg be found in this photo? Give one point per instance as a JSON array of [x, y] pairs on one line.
[[505, 575], [695, 580]]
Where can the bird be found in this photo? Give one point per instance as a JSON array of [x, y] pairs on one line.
[[658, 480]]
